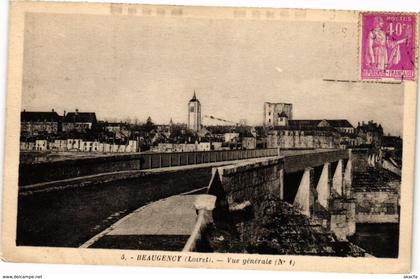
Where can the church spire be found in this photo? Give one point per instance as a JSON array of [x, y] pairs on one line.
[[194, 98], [194, 114]]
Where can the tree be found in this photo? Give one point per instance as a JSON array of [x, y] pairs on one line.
[[149, 125]]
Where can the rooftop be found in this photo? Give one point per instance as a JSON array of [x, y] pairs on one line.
[[316, 124], [81, 117], [39, 116]]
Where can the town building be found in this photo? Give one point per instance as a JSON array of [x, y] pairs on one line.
[[33, 123], [307, 134], [187, 147], [277, 114], [320, 138], [120, 130], [41, 145], [370, 132], [87, 146], [24, 145], [341, 125], [248, 141], [133, 146], [165, 129], [285, 132], [391, 143], [217, 132], [204, 146], [79, 121], [231, 137], [217, 145], [59, 145], [194, 114]]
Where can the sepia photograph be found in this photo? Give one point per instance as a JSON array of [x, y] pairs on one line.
[[253, 132]]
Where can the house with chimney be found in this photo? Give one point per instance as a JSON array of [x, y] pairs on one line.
[[36, 123], [79, 121]]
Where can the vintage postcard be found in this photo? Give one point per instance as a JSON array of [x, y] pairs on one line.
[[180, 136]]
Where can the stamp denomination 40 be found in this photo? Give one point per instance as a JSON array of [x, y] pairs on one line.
[[388, 46]]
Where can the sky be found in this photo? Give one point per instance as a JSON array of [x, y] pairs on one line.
[[133, 67]]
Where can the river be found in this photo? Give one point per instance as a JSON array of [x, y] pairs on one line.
[[379, 240]]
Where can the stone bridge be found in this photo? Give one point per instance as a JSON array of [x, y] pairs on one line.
[[316, 182]]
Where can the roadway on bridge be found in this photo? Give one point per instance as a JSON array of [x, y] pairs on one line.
[[164, 224]]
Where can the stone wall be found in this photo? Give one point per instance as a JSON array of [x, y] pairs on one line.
[[360, 160], [251, 182], [47, 218], [375, 189], [299, 140], [376, 207]]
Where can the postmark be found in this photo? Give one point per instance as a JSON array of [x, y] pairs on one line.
[[388, 45]]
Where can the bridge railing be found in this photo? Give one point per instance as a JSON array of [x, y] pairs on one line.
[[33, 173], [174, 159]]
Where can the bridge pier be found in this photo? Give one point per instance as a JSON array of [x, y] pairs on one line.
[[304, 197], [281, 186], [337, 180], [347, 179], [343, 218], [373, 159], [324, 186]]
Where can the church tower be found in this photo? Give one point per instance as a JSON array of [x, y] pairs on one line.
[[194, 114]]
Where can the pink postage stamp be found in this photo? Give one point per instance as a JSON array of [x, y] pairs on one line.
[[388, 46]]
